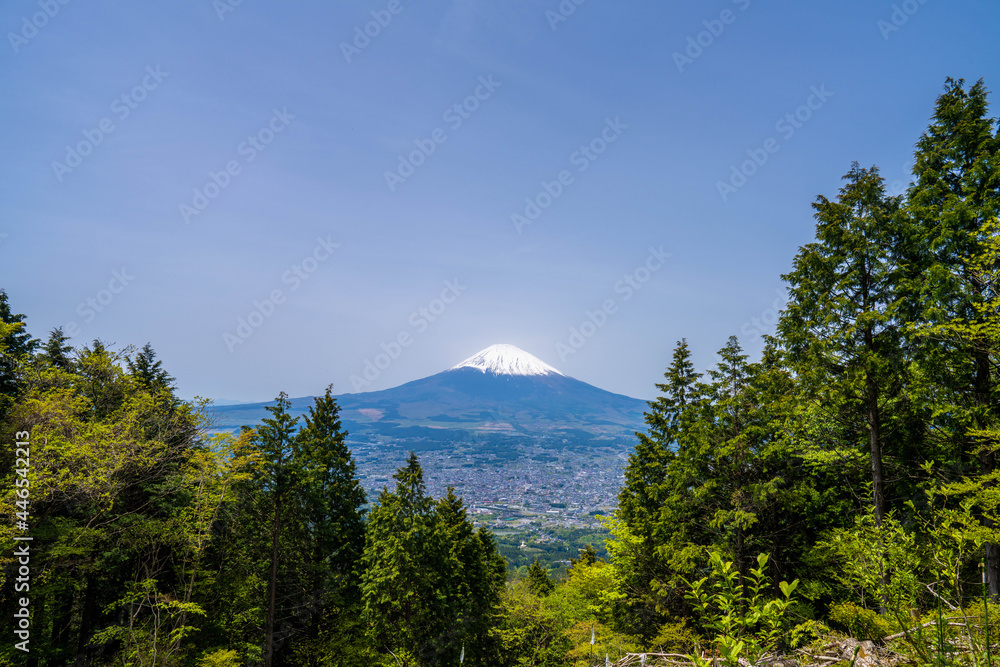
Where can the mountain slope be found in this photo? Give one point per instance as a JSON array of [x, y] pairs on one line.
[[501, 392]]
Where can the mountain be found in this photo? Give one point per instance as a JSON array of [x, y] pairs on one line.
[[499, 395]]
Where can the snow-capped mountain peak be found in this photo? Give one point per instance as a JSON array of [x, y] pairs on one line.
[[507, 360]]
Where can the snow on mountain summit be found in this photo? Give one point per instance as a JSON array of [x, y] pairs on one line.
[[507, 360]]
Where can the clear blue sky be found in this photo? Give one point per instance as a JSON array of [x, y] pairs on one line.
[[154, 98]]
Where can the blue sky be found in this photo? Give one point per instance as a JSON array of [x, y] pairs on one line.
[[172, 169]]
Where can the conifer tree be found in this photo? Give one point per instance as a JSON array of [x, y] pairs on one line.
[[398, 582], [329, 505], [149, 370], [955, 194], [55, 350], [431, 584], [471, 578], [277, 444], [539, 581], [638, 500], [587, 556], [841, 326], [15, 344], [644, 583]]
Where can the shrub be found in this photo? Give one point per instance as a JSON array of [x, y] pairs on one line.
[[860, 623]]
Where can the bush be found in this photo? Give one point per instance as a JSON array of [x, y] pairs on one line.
[[860, 623], [220, 658], [675, 638]]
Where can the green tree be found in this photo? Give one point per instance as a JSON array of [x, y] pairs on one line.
[[841, 327], [431, 585], [643, 584], [104, 497], [16, 344], [539, 581], [398, 583], [329, 510], [587, 556], [278, 446], [149, 370], [471, 579], [647, 466], [956, 192], [733, 482], [55, 351], [530, 633]]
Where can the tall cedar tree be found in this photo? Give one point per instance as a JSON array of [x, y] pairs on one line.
[[645, 490], [472, 577], [431, 585], [15, 344], [56, 351], [956, 192], [330, 505], [398, 582], [841, 325], [277, 443], [539, 581], [726, 441], [149, 370], [730, 483]]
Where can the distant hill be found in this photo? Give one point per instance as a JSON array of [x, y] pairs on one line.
[[500, 395]]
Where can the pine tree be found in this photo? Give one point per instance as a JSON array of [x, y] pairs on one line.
[[841, 326], [732, 483], [398, 582], [55, 351], [15, 344], [431, 584], [724, 446], [955, 195], [149, 370], [471, 577], [647, 465], [539, 581], [644, 583], [329, 502], [587, 556], [278, 446]]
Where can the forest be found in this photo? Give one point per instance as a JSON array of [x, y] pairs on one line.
[[835, 502]]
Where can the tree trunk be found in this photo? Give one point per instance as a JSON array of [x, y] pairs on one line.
[[86, 622], [875, 441], [874, 418], [272, 585], [987, 460], [63, 620]]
